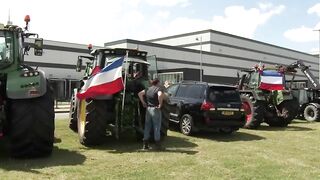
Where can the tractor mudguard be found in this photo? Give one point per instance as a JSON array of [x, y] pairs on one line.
[[257, 94], [315, 105], [280, 96], [26, 87]]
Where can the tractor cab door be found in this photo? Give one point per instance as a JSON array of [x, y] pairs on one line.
[[254, 80], [153, 67]]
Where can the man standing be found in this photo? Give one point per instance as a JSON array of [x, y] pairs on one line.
[[152, 99]]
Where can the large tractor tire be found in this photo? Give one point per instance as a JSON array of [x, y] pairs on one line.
[[289, 109], [254, 111], [311, 112], [73, 124], [92, 122], [32, 126]]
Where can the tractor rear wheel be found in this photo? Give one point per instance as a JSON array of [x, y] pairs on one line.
[[92, 122], [311, 112], [32, 126], [254, 112], [288, 109], [73, 125]]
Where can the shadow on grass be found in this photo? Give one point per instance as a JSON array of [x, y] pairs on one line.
[[303, 121], [59, 157], [172, 144], [236, 136], [289, 128]]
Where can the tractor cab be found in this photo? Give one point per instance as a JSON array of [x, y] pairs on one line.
[[262, 79]]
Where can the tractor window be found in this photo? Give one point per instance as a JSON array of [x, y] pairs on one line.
[[254, 79], [5, 48], [137, 70]]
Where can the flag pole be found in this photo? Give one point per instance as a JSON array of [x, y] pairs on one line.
[[124, 87], [125, 80]]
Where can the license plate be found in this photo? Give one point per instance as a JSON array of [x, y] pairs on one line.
[[227, 113]]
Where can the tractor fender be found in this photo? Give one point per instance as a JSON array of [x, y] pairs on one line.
[[26, 87], [315, 105]]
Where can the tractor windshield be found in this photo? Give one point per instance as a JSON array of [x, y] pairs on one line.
[[6, 47], [133, 66]]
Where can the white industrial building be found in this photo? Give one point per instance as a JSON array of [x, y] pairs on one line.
[[179, 57]]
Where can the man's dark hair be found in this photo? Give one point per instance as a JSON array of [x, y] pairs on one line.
[[155, 81]]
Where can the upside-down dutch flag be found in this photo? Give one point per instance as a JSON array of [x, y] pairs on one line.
[[271, 80], [106, 82]]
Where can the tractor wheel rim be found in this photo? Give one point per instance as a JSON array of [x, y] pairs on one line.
[[247, 111], [186, 125], [82, 118], [310, 113]]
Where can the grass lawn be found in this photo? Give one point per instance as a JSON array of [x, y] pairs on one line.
[[267, 153]]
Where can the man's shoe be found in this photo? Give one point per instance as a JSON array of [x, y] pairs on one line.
[[145, 145]]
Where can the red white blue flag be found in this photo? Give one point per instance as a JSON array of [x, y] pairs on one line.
[[271, 80], [106, 82]]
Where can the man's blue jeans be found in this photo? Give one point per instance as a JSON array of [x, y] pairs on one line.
[[153, 119]]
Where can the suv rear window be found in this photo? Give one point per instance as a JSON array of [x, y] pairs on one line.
[[190, 91], [223, 94]]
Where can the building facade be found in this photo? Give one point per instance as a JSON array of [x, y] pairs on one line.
[[221, 54], [180, 57]]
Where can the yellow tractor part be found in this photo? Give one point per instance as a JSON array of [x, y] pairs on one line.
[[82, 117]]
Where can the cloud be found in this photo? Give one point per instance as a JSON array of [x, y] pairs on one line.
[[303, 34], [314, 9], [244, 22], [168, 3], [265, 6], [98, 22], [237, 20], [163, 14], [314, 51]]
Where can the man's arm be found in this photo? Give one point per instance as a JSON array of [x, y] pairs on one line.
[[160, 98], [141, 97]]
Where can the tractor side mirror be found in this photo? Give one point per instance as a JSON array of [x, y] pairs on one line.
[[38, 47], [79, 65]]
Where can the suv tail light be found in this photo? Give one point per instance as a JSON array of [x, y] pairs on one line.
[[206, 106]]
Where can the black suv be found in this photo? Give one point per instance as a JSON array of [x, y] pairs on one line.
[[199, 105]]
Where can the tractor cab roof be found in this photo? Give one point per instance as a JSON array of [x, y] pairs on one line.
[[120, 52], [10, 28]]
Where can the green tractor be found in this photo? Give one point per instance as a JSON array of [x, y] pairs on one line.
[[26, 101], [265, 98], [95, 118]]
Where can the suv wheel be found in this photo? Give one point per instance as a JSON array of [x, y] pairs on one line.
[[186, 124]]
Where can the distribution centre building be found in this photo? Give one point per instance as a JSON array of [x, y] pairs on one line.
[[179, 58]]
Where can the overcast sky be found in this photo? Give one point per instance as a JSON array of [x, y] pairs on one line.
[[287, 23]]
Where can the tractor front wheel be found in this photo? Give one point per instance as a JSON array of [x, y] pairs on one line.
[[254, 112], [92, 122], [311, 112]]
